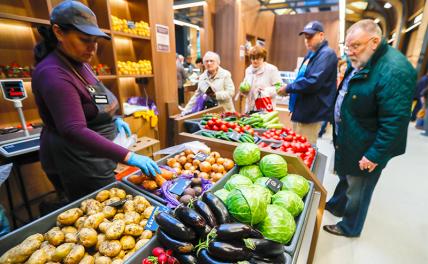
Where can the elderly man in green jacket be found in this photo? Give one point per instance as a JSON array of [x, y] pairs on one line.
[[371, 116]]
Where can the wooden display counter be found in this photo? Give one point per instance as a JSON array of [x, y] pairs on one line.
[[295, 165]]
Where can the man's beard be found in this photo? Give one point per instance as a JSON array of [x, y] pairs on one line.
[[364, 58]]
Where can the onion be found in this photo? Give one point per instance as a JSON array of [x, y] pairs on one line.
[[220, 161], [196, 163], [205, 166], [228, 164], [188, 151], [215, 154], [187, 166], [203, 175], [182, 160], [171, 162], [214, 167], [210, 160]]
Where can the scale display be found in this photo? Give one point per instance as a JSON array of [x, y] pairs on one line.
[[13, 90], [20, 147]]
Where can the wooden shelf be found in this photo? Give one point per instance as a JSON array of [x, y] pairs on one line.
[[136, 76], [25, 19], [106, 77], [129, 35], [24, 79]]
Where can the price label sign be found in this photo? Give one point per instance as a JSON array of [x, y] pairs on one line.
[[131, 24], [274, 185], [179, 186], [235, 136], [257, 139], [201, 156], [276, 145], [151, 223]]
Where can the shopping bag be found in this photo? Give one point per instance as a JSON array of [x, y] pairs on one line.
[[264, 103]]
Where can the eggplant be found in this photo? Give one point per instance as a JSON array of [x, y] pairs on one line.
[[217, 207], [174, 227], [229, 251], [191, 218], [256, 259], [204, 258], [171, 243], [236, 231], [204, 210], [264, 247], [186, 258]]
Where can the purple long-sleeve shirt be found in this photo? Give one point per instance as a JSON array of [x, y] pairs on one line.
[[65, 105]]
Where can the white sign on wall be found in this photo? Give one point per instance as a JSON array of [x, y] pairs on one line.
[[162, 38]]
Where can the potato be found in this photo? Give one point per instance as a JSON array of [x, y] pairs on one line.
[[132, 217], [128, 242], [110, 248], [69, 229], [55, 236], [111, 200], [147, 234], [71, 238], [93, 207], [13, 255], [70, 216], [119, 216], [117, 261], [140, 207], [38, 257], [103, 226], [93, 221], [140, 243], [102, 260], [143, 222], [116, 192], [133, 230], [75, 255], [50, 251], [100, 239], [87, 259], [129, 206], [79, 222], [129, 197], [88, 237], [103, 196], [109, 211], [31, 244], [148, 212], [62, 251], [115, 230], [121, 254]]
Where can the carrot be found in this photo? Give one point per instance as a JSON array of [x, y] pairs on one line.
[[166, 174], [160, 180], [150, 185]]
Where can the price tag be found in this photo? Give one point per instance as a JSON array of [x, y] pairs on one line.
[[284, 135], [257, 139], [131, 24], [201, 156], [151, 223], [179, 186], [234, 136], [274, 185], [276, 145]]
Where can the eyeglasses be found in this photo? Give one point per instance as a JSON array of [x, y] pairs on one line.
[[356, 46], [255, 58]]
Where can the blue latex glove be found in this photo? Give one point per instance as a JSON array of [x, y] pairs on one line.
[[120, 124], [146, 164]]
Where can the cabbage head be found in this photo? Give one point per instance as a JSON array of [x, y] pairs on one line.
[[273, 166], [290, 201], [279, 224], [237, 180], [222, 194], [247, 204], [296, 183], [266, 193], [246, 154], [252, 172]]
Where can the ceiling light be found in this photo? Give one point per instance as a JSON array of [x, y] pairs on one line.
[[387, 5], [349, 11], [362, 5], [418, 18], [188, 5], [377, 20], [276, 1], [182, 23]]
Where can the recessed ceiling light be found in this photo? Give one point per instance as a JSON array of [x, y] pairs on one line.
[[377, 20], [360, 5], [349, 11], [418, 18], [387, 5]]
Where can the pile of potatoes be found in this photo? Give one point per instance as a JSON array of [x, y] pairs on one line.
[[95, 233], [213, 168]]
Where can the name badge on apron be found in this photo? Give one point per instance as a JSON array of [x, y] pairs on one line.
[[100, 98]]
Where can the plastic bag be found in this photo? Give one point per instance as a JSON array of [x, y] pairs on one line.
[[264, 103], [194, 146], [4, 223], [122, 140], [5, 172]]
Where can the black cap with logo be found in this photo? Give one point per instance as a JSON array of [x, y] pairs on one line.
[[78, 15], [312, 28]]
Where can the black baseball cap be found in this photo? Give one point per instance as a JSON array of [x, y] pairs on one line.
[[312, 28], [78, 15]]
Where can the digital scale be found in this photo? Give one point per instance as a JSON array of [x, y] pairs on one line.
[[20, 142]]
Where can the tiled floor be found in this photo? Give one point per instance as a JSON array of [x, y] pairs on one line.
[[396, 228]]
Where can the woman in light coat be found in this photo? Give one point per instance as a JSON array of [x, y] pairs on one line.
[[215, 82], [262, 77]]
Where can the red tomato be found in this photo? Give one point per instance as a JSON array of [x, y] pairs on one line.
[[210, 123], [215, 127], [251, 131], [147, 261], [163, 259], [278, 132], [286, 144], [288, 138], [157, 251], [303, 139], [207, 127], [224, 128], [237, 129], [214, 119]]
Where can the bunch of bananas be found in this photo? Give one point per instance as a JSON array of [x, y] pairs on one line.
[[141, 28], [142, 67], [149, 116]]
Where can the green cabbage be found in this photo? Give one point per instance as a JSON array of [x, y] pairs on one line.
[[246, 154], [222, 194], [274, 166], [252, 172], [279, 224], [247, 204], [237, 180], [261, 181], [265, 192], [296, 183], [290, 201]]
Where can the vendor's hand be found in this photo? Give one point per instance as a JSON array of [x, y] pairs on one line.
[[146, 164], [367, 164], [210, 92], [121, 124], [282, 91]]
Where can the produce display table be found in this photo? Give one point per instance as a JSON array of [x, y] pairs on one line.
[[306, 249]]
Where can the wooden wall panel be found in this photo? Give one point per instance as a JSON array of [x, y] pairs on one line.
[[287, 45]]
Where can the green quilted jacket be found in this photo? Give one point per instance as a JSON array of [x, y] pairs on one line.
[[375, 112]]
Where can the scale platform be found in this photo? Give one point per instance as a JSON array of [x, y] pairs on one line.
[[16, 143]]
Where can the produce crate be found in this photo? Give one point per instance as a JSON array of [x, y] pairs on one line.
[[162, 161], [300, 219], [199, 133], [147, 251], [43, 224], [192, 125]]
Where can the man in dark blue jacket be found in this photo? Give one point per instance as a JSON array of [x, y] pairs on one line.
[[312, 93]]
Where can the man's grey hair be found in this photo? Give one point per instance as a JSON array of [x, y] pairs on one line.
[[368, 26], [213, 55]]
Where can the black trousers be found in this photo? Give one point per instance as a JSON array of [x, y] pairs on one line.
[[180, 95]]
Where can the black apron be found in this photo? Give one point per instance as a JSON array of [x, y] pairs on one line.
[[80, 172]]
